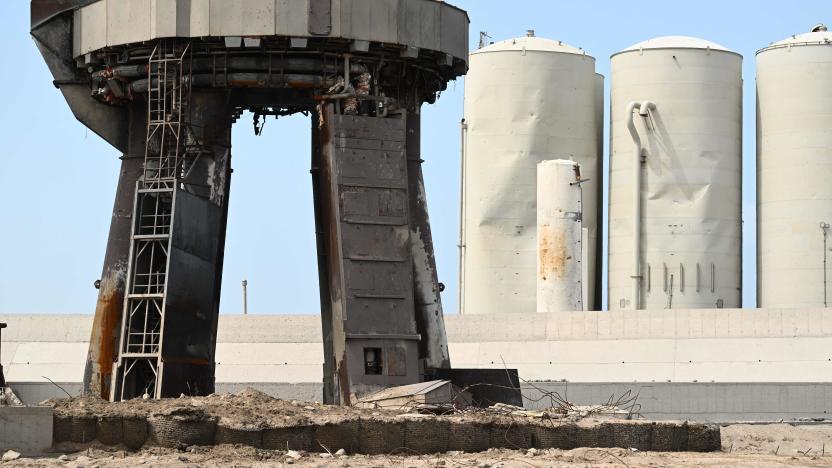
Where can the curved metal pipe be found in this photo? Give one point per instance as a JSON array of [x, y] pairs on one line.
[[247, 80], [644, 109]]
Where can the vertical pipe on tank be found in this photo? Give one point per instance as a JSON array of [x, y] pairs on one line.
[[679, 209], [644, 109], [794, 166], [463, 133], [560, 250]]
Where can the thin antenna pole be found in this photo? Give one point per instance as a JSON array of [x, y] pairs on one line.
[[245, 297], [825, 228]]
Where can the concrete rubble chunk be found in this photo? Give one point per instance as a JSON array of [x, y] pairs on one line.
[[11, 455]]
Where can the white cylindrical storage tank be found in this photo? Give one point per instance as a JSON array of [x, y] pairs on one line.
[[559, 231], [527, 100], [675, 237], [600, 175], [794, 170]]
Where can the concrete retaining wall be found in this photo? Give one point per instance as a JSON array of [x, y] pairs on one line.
[[698, 364], [385, 435], [25, 429]]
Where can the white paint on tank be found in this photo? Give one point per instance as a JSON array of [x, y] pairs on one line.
[[675, 203], [794, 170], [527, 100], [559, 231]]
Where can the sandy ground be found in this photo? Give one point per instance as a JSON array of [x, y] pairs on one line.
[[743, 446]]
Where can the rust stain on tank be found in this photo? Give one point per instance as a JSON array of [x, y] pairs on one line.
[[104, 333], [552, 252]]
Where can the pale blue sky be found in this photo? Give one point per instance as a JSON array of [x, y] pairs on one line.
[[57, 180]]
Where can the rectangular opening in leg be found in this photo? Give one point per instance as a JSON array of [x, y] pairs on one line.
[[372, 361]]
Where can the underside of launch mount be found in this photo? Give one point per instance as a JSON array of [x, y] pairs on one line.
[[164, 80]]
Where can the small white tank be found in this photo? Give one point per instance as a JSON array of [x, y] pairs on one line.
[[676, 176], [560, 248], [794, 170], [527, 100]]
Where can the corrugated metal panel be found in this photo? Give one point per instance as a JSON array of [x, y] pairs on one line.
[[794, 169], [133, 13], [244, 17], [690, 229]]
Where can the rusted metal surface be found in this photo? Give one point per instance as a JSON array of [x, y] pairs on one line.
[[43, 10], [433, 348], [107, 320], [364, 199], [53, 39], [560, 247], [2, 377], [503, 146], [364, 195], [321, 180]]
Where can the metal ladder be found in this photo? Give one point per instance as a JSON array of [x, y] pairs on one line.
[[139, 367]]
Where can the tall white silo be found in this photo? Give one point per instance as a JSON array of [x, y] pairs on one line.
[[527, 100], [794, 170], [675, 237]]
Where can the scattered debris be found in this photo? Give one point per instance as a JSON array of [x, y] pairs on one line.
[[8, 398], [429, 396]]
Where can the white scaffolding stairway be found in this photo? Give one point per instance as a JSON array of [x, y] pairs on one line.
[[139, 367]]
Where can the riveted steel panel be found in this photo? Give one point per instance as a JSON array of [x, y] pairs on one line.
[[369, 263], [242, 17], [379, 206], [369, 242], [361, 167]]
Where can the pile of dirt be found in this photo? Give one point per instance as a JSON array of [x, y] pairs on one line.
[[779, 439], [230, 455], [249, 408], [258, 420]]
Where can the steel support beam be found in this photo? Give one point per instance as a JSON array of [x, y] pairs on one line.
[[107, 320], [362, 200], [433, 347]]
